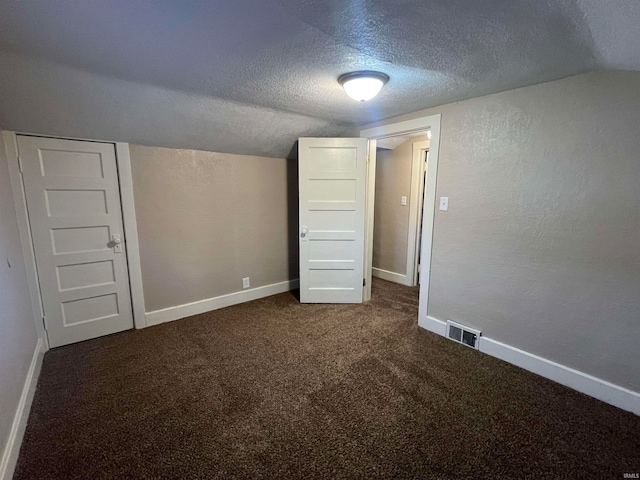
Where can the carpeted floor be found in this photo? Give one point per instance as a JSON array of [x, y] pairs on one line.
[[275, 389]]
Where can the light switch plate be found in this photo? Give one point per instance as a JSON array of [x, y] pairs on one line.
[[403, 200], [444, 203]]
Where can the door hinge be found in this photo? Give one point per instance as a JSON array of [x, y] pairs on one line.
[[367, 158], [20, 163], [364, 282], [44, 322]]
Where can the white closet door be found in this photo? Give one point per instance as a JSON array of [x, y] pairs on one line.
[[73, 201]]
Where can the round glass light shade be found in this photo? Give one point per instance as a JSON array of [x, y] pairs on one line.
[[363, 86]]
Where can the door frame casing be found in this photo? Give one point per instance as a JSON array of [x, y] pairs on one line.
[[430, 122], [370, 198], [415, 212], [125, 181]]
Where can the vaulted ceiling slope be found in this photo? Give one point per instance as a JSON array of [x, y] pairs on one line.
[[250, 76]]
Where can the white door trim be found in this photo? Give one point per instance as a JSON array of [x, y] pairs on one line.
[[415, 212], [128, 216], [11, 147], [131, 234], [431, 122], [369, 209]]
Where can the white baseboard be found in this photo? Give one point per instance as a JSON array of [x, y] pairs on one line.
[[181, 311], [433, 325], [595, 387], [390, 276], [12, 448]]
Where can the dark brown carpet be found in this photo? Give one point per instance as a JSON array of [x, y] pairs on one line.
[[275, 389]]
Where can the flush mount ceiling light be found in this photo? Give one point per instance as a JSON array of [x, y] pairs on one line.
[[363, 86]]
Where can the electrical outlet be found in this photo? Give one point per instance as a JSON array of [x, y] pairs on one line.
[[403, 201], [245, 282]]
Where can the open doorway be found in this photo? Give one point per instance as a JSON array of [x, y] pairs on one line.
[[423, 124], [336, 197], [399, 186]]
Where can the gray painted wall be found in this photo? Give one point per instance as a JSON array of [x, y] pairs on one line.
[[18, 337], [206, 220], [540, 247], [391, 219]]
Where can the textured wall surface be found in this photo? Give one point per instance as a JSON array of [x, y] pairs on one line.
[[540, 246], [391, 219], [17, 331], [206, 220]]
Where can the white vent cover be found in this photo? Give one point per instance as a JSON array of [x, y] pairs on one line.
[[464, 335]]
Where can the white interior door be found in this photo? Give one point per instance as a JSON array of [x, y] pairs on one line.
[[75, 216], [332, 189]]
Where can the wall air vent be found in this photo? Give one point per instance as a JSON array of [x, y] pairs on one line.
[[464, 335]]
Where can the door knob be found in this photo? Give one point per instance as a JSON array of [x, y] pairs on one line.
[[304, 232], [116, 243]]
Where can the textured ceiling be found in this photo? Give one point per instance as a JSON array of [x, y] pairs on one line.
[[225, 75]]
